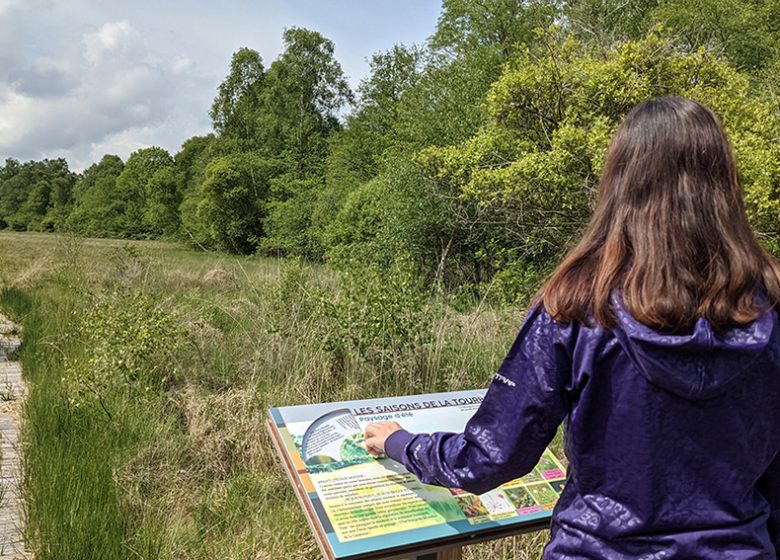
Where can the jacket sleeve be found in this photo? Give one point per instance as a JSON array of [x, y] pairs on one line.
[[525, 403], [769, 485]]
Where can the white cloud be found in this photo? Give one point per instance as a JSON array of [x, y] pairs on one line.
[[181, 64], [107, 40], [7, 5], [107, 92]]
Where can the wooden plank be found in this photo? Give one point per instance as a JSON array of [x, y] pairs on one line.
[[13, 388]]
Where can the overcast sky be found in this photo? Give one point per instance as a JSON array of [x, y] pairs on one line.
[[82, 78]]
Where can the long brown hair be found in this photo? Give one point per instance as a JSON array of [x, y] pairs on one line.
[[669, 231]]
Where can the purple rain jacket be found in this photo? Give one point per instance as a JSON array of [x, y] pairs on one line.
[[672, 440]]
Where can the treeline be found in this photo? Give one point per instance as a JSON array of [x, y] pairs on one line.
[[474, 156]]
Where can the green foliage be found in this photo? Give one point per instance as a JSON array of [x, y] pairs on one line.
[[163, 197], [516, 281], [745, 32], [475, 155], [465, 26], [446, 103], [288, 228], [135, 191], [282, 116], [602, 22], [528, 179], [13, 192], [304, 89], [359, 222], [60, 197], [97, 208], [472, 43], [190, 169], [129, 346], [240, 96], [375, 313], [234, 195], [356, 152], [35, 195], [132, 200], [740, 29], [394, 215], [380, 312]]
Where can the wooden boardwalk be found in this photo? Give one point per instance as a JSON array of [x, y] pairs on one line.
[[12, 391]]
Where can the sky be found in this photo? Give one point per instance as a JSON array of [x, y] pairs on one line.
[[83, 78]]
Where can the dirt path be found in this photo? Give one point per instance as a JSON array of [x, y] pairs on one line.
[[12, 391]]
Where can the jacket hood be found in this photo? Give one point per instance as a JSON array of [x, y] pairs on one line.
[[697, 365]]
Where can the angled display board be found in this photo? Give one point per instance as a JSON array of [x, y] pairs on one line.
[[360, 507]]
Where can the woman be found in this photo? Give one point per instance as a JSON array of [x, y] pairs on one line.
[[657, 340]]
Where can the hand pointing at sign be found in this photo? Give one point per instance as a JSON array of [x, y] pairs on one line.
[[376, 435]]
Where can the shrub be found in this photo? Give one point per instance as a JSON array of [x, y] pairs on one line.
[[129, 345], [380, 312], [528, 178], [374, 314]]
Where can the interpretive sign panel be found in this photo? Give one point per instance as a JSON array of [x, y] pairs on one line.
[[362, 507]]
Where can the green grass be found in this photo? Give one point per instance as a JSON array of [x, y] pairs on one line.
[[170, 459]]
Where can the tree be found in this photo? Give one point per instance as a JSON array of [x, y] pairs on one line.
[[357, 151], [446, 104], [392, 74], [35, 195], [474, 39], [288, 228], [304, 89], [465, 26], [747, 33], [393, 216], [606, 22], [234, 110], [190, 164], [370, 130], [62, 182], [163, 197], [740, 29], [14, 178], [524, 185], [133, 189], [97, 207], [234, 198]]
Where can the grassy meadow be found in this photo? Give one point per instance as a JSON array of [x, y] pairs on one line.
[[150, 369]]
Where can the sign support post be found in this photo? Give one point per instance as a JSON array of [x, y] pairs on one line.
[[448, 554]]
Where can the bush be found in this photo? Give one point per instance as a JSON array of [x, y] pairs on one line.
[[373, 314], [129, 345], [288, 227], [233, 202], [528, 179], [379, 313]]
